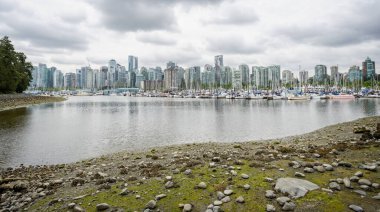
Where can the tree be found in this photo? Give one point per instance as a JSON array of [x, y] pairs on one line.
[[15, 71]]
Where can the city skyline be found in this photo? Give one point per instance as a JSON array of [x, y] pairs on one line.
[[323, 32]]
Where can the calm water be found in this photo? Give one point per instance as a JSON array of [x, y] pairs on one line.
[[84, 127]]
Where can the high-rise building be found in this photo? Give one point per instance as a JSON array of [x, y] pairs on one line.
[[244, 69], [193, 78], [274, 77], [355, 74], [112, 72], [304, 76], [133, 64], [218, 68], [226, 76], [261, 77], [287, 77], [170, 76], [369, 70], [320, 75], [237, 79], [70, 81], [334, 75]]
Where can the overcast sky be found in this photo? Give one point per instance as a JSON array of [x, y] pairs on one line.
[[69, 34]]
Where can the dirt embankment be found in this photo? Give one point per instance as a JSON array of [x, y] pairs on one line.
[[12, 101]]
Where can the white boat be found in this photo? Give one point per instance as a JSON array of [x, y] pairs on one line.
[[342, 96], [299, 98]]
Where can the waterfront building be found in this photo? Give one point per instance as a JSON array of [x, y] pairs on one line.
[[355, 74], [274, 77], [244, 69], [226, 77], [193, 78], [70, 81], [261, 77], [103, 77], [287, 77], [236, 79], [369, 70], [181, 77], [112, 72], [170, 76], [132, 79], [133, 64], [218, 68], [303, 78], [334, 75], [139, 78], [320, 76], [152, 85]]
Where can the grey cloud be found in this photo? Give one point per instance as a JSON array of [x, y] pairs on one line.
[[141, 15], [233, 45], [235, 17], [349, 28], [156, 38]]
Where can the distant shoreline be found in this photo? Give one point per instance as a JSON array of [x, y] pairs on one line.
[[14, 101]]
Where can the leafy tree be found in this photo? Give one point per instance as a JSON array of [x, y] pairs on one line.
[[15, 71]]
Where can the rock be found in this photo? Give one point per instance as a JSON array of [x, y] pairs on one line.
[[364, 182], [365, 187], [354, 178], [299, 174], [377, 197], [160, 196], [202, 185], [78, 208], [347, 182], [151, 204], [215, 159], [187, 172], [376, 185], [187, 208], [269, 180], [294, 187], [294, 164], [168, 178], [226, 199], [246, 187], [319, 168], [218, 202], [270, 208], [169, 184], [244, 176], [360, 130], [359, 174], [327, 190], [228, 192], [360, 192], [77, 181], [345, 164], [356, 208], [212, 165], [270, 194], [220, 195], [308, 170], [316, 155], [233, 172], [124, 192], [328, 167], [289, 206], [240, 199], [370, 167], [71, 205], [334, 186], [102, 206], [282, 200], [100, 175]]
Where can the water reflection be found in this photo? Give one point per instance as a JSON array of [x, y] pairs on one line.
[[84, 127]]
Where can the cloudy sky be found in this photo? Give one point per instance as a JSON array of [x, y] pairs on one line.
[[72, 33]]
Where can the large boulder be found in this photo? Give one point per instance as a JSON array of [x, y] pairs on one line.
[[294, 187]]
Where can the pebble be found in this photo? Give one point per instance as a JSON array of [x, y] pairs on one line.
[[77, 208], [270, 208], [218, 202], [168, 178], [354, 178], [240, 199], [169, 184], [376, 185], [228, 192], [151, 204], [269, 180], [226, 199], [289, 206], [160, 196], [347, 182], [71, 205], [328, 167], [364, 182], [334, 186], [247, 187], [187, 207], [233, 172], [299, 174], [360, 192], [102, 206], [124, 192], [319, 168], [187, 171], [356, 208], [359, 174], [202, 185], [244, 176], [220, 195], [270, 194], [308, 170], [282, 200]]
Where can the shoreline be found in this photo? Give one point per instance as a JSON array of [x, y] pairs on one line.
[[171, 175], [15, 101]]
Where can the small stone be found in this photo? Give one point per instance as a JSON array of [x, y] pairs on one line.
[[334, 186], [360, 192], [169, 184], [270, 194], [308, 170], [354, 178], [137, 196], [377, 197], [212, 164], [151, 204], [289, 206], [233, 172], [202, 185], [376, 185], [316, 155], [370, 167], [220, 195], [246, 187], [244, 176], [347, 182], [168, 178], [187, 172], [359, 174], [160, 196], [71, 205], [328, 167], [228, 192], [218, 202], [345, 164], [270, 208], [226, 199], [327, 190], [365, 187], [299, 174], [364, 182], [282, 200], [124, 192], [240, 199], [269, 180], [187, 208], [78, 208], [102, 206], [356, 208], [319, 168]]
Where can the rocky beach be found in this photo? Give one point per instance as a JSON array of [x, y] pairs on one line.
[[13, 101], [335, 168]]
